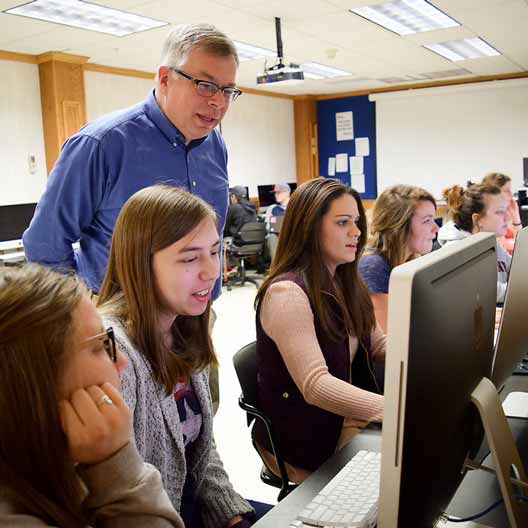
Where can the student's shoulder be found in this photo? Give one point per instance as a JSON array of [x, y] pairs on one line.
[[373, 261]]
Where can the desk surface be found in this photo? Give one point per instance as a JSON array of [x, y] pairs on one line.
[[477, 491]]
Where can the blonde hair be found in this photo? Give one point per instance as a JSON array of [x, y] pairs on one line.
[[391, 221], [463, 203], [36, 471], [151, 220]]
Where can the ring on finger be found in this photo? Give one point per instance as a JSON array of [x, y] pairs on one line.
[[105, 400]]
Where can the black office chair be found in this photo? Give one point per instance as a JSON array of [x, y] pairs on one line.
[[245, 361], [248, 242]]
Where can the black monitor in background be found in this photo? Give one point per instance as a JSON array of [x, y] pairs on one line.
[[525, 171], [14, 220], [512, 338], [439, 347], [265, 195]]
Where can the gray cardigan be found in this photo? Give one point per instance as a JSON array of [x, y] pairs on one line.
[[159, 437]]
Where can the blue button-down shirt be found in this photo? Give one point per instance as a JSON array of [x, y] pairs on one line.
[[100, 167]]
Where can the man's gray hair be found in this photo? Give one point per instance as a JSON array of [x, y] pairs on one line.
[[186, 37]]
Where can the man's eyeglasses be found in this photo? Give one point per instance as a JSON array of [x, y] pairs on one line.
[[209, 89], [108, 340]]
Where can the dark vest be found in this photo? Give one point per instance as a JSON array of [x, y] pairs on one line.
[[307, 435]]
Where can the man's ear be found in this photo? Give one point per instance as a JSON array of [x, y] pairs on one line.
[[163, 78]]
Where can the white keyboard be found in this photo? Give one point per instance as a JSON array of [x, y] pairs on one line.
[[350, 499]]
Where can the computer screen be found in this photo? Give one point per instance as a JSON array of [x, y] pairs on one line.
[[439, 346], [14, 220], [265, 195], [512, 338]]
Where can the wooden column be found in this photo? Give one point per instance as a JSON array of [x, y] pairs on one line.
[[306, 152], [62, 98]]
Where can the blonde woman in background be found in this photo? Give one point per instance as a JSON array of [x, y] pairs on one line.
[[504, 182], [479, 208], [402, 228]]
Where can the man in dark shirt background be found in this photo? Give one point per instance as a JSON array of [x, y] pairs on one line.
[[240, 211]]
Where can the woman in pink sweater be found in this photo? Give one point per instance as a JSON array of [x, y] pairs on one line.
[[317, 337]]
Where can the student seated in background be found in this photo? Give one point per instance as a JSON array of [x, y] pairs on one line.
[[480, 207], [317, 338], [67, 455], [239, 212], [156, 294], [504, 182], [282, 197], [402, 228]]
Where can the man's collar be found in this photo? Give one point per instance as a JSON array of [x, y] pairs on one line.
[[173, 135]]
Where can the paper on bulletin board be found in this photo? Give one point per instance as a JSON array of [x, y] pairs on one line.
[[342, 162], [344, 126], [362, 146], [356, 165], [357, 181], [331, 166]]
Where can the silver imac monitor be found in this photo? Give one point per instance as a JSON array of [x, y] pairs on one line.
[[512, 338], [439, 347]]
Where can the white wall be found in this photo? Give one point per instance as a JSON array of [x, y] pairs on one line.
[[436, 137], [259, 131], [21, 132], [106, 92], [260, 137]]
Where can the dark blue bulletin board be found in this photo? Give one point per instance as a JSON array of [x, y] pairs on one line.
[[364, 126]]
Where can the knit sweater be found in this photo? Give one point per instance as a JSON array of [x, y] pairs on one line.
[[159, 437], [122, 491], [287, 318]]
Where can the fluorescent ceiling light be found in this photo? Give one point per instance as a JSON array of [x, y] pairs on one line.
[[314, 70], [84, 15], [247, 52], [406, 17], [457, 50]]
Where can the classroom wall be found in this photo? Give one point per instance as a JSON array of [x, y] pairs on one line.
[[436, 137], [21, 132]]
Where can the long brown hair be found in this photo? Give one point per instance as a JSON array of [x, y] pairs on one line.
[[36, 472], [463, 203], [151, 220], [299, 250], [391, 221]]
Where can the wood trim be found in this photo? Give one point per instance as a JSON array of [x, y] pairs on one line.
[[18, 57], [61, 57], [305, 125], [431, 84], [254, 91], [118, 71]]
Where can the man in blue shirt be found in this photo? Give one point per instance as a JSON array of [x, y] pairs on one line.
[[168, 138]]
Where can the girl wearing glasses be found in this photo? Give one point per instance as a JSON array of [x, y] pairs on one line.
[[164, 261], [66, 455]]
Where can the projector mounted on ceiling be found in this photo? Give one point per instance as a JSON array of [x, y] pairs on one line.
[[279, 72]]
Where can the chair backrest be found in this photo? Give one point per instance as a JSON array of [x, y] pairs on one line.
[[245, 361], [251, 233]]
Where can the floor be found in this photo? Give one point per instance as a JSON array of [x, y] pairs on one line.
[[234, 328]]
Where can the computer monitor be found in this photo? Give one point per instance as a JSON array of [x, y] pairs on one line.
[[14, 220], [265, 195], [439, 346], [512, 338]]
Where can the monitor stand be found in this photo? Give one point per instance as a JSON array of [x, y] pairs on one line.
[[503, 448]]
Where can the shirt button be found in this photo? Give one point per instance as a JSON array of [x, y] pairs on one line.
[[194, 183], [285, 395], [174, 144]]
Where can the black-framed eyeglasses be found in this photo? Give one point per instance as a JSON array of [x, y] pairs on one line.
[[209, 89], [108, 340]]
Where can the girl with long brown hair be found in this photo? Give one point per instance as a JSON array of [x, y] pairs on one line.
[[402, 228], [317, 338], [156, 294], [66, 452]]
